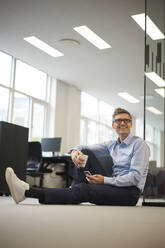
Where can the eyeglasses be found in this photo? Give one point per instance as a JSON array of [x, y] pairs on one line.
[[119, 121]]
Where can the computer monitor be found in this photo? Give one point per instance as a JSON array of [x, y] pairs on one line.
[[51, 145]]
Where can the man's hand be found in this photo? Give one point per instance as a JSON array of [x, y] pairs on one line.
[[96, 179], [78, 161]]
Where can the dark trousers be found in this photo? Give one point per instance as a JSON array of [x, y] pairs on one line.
[[93, 193], [100, 194]]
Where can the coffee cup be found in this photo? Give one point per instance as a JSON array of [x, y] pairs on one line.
[[85, 157]]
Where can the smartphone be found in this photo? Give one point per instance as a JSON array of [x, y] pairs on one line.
[[87, 172]]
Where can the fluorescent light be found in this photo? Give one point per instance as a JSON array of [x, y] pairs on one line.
[[43, 46], [92, 37], [160, 91], [155, 78], [128, 97], [151, 29], [154, 110]]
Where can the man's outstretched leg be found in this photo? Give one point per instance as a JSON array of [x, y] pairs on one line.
[[94, 193], [20, 190]]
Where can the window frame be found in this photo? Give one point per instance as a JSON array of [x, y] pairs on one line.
[[97, 121], [32, 99]]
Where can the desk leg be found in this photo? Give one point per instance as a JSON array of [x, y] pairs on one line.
[[41, 180]]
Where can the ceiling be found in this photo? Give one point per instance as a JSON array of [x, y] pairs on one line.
[[101, 73]]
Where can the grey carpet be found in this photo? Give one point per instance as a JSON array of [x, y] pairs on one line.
[[30, 224]]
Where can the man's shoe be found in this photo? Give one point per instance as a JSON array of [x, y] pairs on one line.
[[17, 187]]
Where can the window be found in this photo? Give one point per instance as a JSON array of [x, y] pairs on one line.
[[92, 137], [21, 110], [83, 132], [31, 81], [25, 102], [154, 139], [88, 106], [38, 122], [96, 119], [105, 113], [4, 103], [105, 133], [5, 65]]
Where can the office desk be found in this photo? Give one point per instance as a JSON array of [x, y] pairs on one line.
[[64, 159], [57, 159]]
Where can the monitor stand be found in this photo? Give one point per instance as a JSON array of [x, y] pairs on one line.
[[55, 154]]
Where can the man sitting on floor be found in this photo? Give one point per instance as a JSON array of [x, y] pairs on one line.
[[130, 155]]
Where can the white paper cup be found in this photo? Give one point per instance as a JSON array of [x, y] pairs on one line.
[[85, 157]]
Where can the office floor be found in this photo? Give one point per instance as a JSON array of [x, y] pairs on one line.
[[30, 224]]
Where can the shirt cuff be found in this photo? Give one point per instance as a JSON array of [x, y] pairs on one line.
[[109, 180]]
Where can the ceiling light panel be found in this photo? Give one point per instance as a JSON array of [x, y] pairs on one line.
[[151, 29], [92, 37], [154, 77], [128, 97], [160, 91], [154, 110], [43, 46]]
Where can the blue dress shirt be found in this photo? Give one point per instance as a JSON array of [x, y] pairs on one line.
[[130, 161]]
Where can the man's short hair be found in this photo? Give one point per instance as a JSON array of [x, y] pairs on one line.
[[120, 111]]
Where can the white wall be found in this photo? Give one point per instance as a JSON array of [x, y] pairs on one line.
[[67, 115]]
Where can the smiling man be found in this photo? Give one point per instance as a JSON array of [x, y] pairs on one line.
[[121, 184]]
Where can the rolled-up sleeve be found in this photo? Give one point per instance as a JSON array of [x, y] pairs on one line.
[[137, 172], [99, 150]]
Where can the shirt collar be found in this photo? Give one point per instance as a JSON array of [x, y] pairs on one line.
[[127, 140]]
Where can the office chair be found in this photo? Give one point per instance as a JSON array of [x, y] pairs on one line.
[[35, 165]]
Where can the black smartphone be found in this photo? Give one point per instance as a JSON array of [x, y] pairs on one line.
[[87, 172]]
